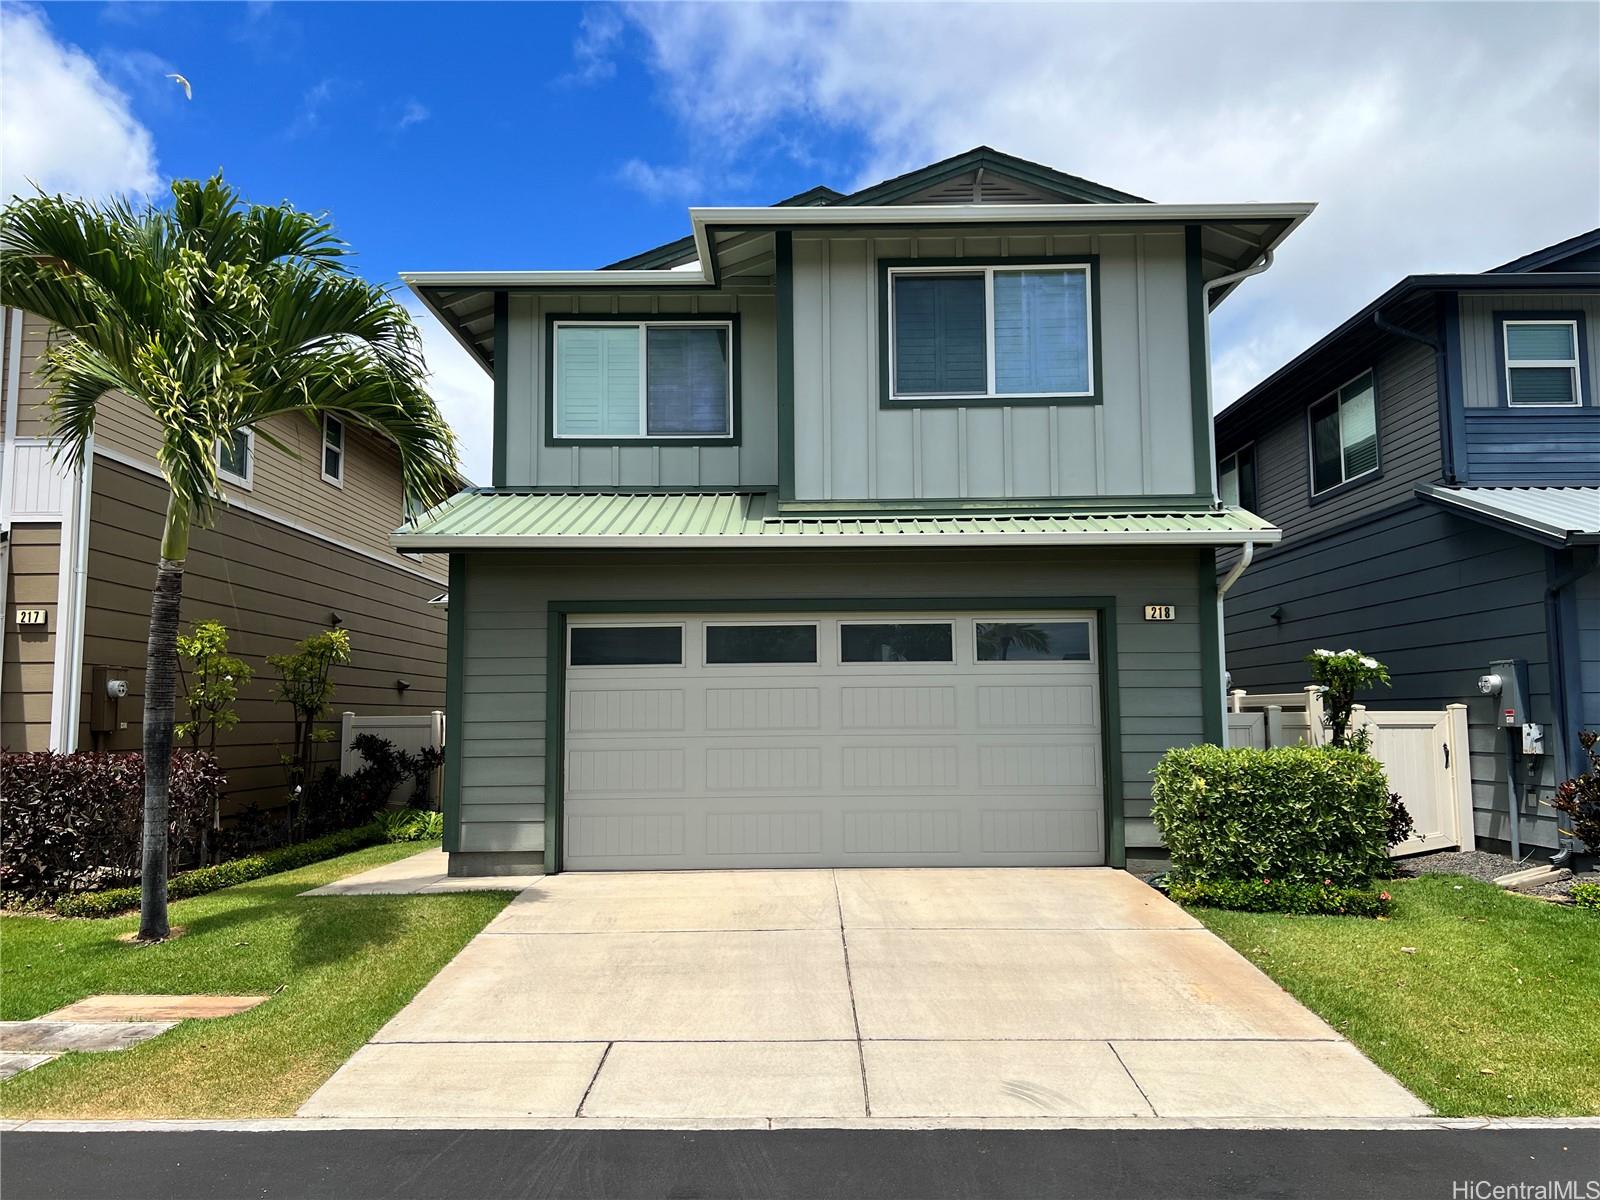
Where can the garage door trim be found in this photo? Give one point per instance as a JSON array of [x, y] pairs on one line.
[[1104, 608]]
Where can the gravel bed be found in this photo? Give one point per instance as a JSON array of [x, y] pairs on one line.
[[1474, 864]]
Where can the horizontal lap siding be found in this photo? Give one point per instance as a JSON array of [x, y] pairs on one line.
[[1435, 597], [502, 796], [1531, 446], [271, 586], [32, 580]]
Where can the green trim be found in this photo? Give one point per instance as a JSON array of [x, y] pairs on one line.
[[956, 505], [735, 366], [1104, 608], [1037, 174], [1199, 365], [502, 384], [455, 687], [1020, 261], [784, 250], [1211, 685]]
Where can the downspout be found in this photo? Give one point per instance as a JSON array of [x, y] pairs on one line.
[[1582, 565], [8, 449], [1247, 553], [1440, 376], [80, 570]]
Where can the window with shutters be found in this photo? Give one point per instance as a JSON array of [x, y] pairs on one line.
[[1541, 363], [992, 333], [642, 380]]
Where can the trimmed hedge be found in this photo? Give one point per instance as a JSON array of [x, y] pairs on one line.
[[1586, 895], [115, 901], [1293, 815], [1271, 895]]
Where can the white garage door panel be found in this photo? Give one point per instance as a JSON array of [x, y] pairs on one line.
[[831, 763]]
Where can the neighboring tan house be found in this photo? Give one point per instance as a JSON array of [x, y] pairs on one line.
[[865, 530], [1434, 463], [301, 544]]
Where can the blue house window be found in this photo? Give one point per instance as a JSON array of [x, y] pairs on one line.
[[1344, 435], [624, 380], [1541, 363], [990, 333]]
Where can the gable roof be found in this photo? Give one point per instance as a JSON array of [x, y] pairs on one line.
[[1041, 183], [1578, 253]]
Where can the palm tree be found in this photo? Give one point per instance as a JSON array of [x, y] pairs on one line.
[[217, 316]]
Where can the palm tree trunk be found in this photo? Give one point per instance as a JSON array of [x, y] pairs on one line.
[[160, 695]]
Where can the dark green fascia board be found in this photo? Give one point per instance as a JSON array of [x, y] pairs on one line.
[[888, 401], [1199, 364], [671, 254], [784, 251], [502, 385], [735, 367], [958, 505], [455, 692], [1084, 191], [1214, 721], [1104, 608]]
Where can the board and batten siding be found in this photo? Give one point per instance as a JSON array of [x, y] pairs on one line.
[[1434, 597], [1588, 608], [750, 460], [271, 586], [1480, 361], [1408, 450], [1137, 441], [504, 662]]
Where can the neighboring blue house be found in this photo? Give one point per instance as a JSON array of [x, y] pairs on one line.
[[1434, 464]]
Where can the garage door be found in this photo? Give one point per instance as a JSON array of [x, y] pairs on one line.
[[712, 741]]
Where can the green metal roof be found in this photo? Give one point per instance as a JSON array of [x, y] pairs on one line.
[[506, 519]]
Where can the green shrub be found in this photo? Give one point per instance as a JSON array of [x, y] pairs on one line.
[[1586, 895], [412, 825], [114, 901], [1292, 814], [1270, 895]]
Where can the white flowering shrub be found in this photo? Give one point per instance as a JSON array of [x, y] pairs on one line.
[[1341, 674]]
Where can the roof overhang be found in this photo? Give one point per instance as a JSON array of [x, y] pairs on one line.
[[509, 519], [1234, 236], [1553, 516]]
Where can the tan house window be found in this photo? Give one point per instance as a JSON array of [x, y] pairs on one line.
[[333, 450]]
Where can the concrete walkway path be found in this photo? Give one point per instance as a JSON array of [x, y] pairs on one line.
[[425, 873], [843, 996]]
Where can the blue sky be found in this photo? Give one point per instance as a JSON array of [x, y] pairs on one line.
[[1433, 136]]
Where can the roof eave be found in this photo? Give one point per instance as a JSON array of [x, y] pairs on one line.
[[440, 543], [1465, 505]]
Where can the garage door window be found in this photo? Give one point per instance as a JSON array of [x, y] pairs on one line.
[[627, 646], [739, 644], [920, 642], [1033, 641]]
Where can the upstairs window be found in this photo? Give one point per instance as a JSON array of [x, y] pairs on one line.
[[1344, 435], [236, 457], [643, 380], [990, 333], [1541, 360], [333, 450], [1236, 479]]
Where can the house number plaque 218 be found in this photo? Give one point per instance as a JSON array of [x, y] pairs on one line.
[[1160, 612]]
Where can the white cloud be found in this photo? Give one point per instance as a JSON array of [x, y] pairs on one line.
[[661, 183], [413, 113], [599, 31], [463, 391], [62, 125], [1433, 137]]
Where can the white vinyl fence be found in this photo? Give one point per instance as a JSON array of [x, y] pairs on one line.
[[409, 732], [1424, 754]]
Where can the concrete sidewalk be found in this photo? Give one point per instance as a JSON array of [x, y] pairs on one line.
[[842, 996], [425, 873]]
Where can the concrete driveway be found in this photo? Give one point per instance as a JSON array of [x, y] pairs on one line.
[[846, 995]]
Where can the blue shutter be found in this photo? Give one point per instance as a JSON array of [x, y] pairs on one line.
[[686, 383], [940, 335], [597, 381], [1041, 332]]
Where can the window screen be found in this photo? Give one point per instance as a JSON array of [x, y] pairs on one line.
[[896, 643], [627, 646], [643, 379], [687, 380], [1041, 331]]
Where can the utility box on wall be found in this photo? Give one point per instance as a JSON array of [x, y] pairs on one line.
[[107, 685], [1510, 686]]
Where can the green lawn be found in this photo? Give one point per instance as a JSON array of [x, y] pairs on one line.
[[338, 968], [1482, 1003]]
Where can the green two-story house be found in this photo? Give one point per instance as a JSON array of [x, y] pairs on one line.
[[875, 529]]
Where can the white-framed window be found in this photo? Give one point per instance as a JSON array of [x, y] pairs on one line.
[[763, 643], [630, 645], [897, 642], [990, 333], [1033, 640], [1541, 360], [236, 457], [1236, 478], [333, 449], [643, 380], [1344, 434]]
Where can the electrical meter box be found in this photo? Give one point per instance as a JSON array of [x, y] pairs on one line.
[[1513, 709]]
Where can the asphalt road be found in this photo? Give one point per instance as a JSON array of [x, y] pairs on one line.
[[484, 1164]]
